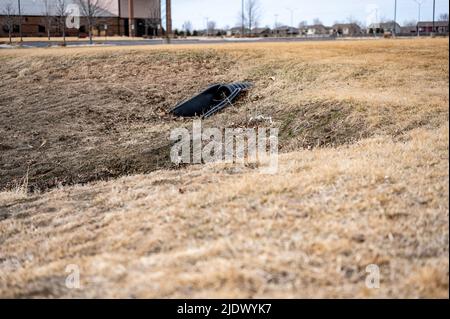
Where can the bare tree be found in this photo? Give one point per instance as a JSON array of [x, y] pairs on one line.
[[252, 10], [277, 25], [302, 27], [384, 19], [61, 14], [151, 21], [241, 21], [352, 20], [317, 21], [163, 15], [91, 9], [443, 17], [211, 26], [410, 23], [10, 18], [187, 26], [302, 24], [48, 15]]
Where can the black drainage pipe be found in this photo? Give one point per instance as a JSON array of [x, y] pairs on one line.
[[212, 100]]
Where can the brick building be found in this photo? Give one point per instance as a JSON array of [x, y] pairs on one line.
[[112, 19], [437, 27]]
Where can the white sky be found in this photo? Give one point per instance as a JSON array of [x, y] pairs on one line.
[[225, 12]]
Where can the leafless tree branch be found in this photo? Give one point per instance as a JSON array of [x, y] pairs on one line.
[[10, 18]]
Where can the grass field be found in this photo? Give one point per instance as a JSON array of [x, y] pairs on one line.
[[363, 176]]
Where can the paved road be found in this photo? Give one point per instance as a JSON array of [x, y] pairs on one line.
[[44, 44]]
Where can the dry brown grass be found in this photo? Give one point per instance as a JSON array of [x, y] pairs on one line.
[[83, 114], [218, 231], [364, 179]]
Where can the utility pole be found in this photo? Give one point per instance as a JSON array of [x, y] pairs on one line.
[[168, 18], [207, 26], [434, 15], [131, 18], [243, 19], [419, 4], [276, 25], [395, 19], [20, 20]]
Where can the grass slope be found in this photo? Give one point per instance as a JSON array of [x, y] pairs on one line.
[[72, 116], [363, 178], [220, 231]]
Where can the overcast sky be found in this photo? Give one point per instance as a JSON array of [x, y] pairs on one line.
[[225, 12]]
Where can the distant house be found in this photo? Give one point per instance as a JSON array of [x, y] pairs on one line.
[[235, 31], [303, 30], [440, 27], [346, 29], [261, 32], [408, 30], [317, 30], [238, 31], [382, 28], [285, 31]]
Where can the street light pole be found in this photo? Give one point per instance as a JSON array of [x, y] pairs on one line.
[[434, 15], [20, 20], [395, 18], [243, 19], [419, 4], [131, 18], [168, 19]]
